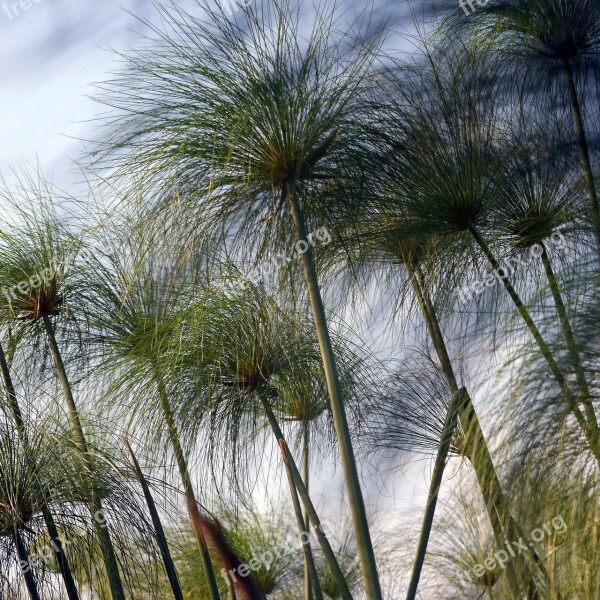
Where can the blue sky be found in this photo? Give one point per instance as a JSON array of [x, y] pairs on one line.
[[50, 54]]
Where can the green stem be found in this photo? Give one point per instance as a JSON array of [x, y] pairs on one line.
[[312, 513], [188, 488], [583, 151], [544, 349], [481, 461], [13, 403], [66, 386], [313, 578], [434, 489], [476, 449], [571, 345], [161, 538], [305, 476], [506, 529], [59, 554], [368, 565], [106, 546], [25, 567]]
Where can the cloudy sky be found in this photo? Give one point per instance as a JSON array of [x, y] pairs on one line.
[[50, 55]]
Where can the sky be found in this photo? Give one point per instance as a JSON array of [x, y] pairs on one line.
[[51, 54]]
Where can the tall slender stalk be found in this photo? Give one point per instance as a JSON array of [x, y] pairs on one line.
[[313, 578], [543, 346], [106, 545], [161, 538], [306, 476], [571, 344], [188, 489], [312, 513], [434, 489], [506, 530], [13, 403], [476, 449], [583, 150], [55, 542], [368, 565], [25, 566]]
